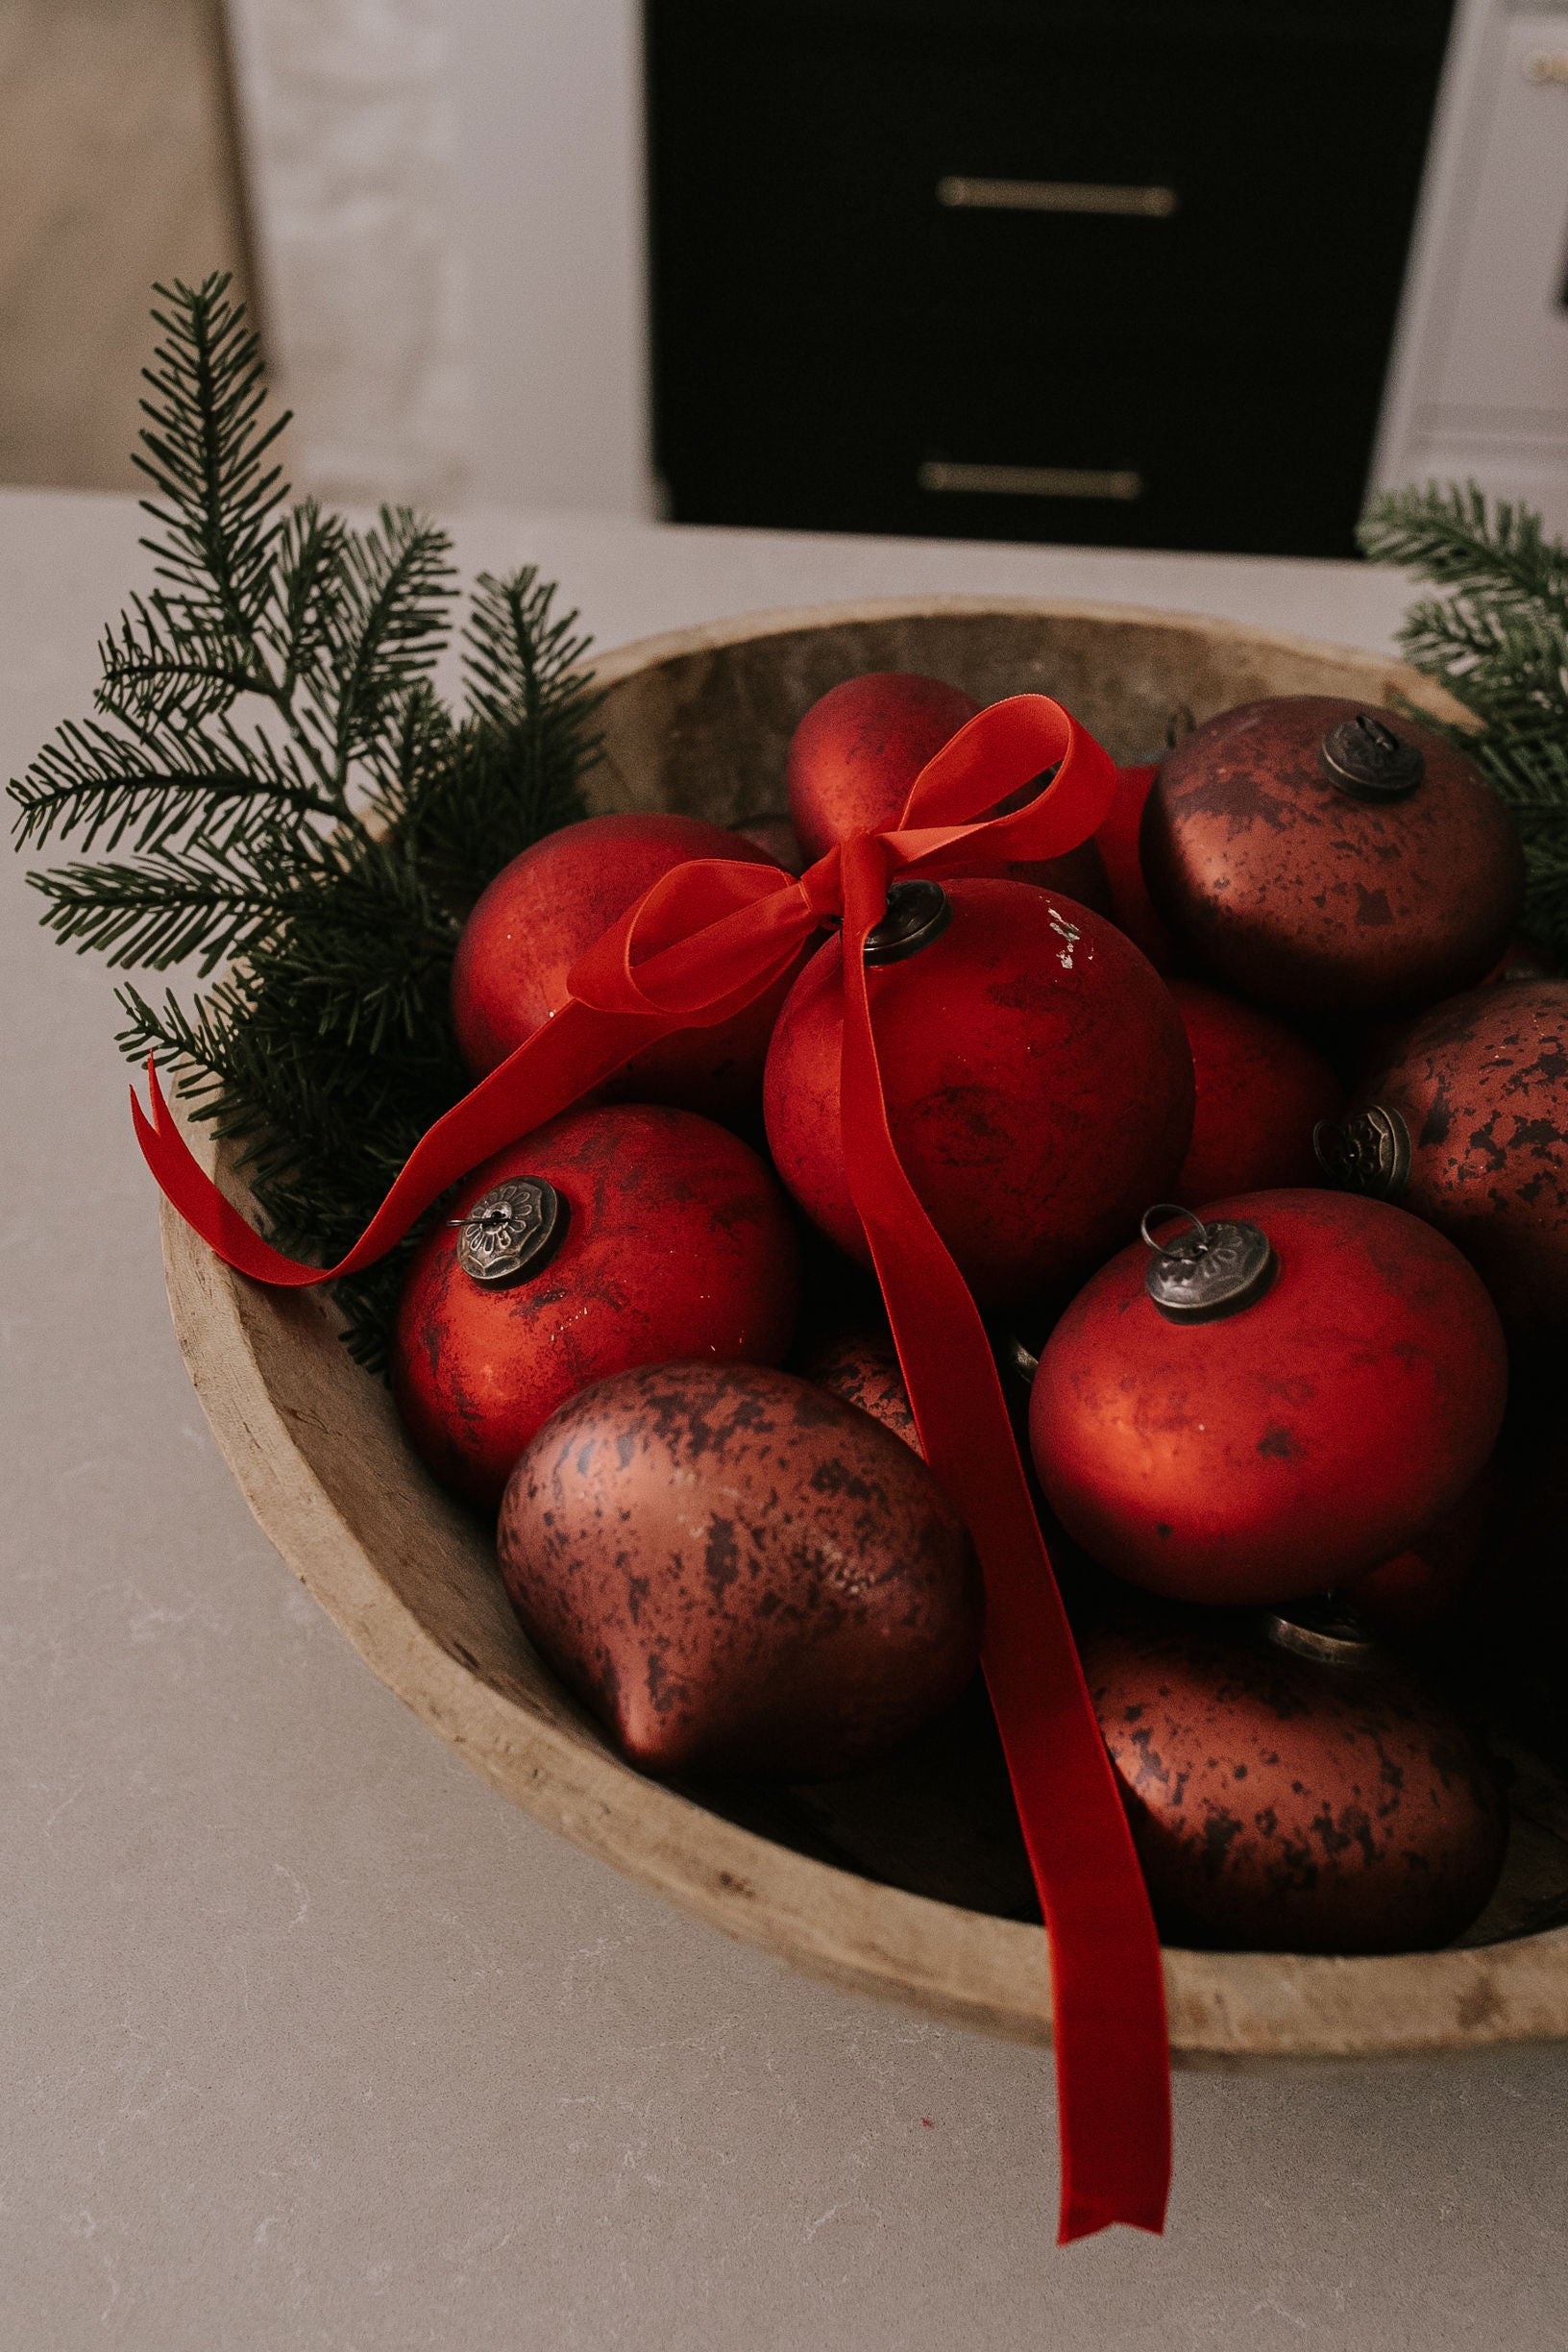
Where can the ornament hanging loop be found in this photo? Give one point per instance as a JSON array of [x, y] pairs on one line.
[[1214, 1272]]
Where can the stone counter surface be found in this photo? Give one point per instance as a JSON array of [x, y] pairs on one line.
[[313, 2045]]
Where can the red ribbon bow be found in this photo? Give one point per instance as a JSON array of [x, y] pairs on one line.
[[703, 943]]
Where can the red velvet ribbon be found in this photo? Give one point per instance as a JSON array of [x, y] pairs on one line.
[[702, 943]]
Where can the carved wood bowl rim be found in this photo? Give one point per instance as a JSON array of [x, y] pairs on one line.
[[315, 1449]]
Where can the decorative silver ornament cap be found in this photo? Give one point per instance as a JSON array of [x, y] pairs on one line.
[[1364, 758], [1210, 1271], [1367, 1152], [512, 1232], [918, 912], [1326, 1628]]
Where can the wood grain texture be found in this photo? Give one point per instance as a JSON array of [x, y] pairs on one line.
[[699, 720]]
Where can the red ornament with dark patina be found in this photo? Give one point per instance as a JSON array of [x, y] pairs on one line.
[[738, 1571], [1282, 1803], [673, 1240], [1419, 1589], [1037, 1082], [855, 754], [550, 905], [1289, 1445], [1479, 1089], [861, 1366], [1262, 1091], [1323, 856]]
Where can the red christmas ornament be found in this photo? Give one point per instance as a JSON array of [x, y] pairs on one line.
[[1131, 909], [544, 909], [737, 1570], [775, 837], [1466, 1125], [1291, 1788], [862, 1366], [1413, 1593], [1262, 1091], [1327, 858], [1273, 1402], [859, 748], [624, 1235], [1037, 1076]]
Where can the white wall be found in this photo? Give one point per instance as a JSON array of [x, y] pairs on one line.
[[548, 97]]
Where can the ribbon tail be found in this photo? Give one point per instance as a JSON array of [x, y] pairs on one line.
[[1106, 1975], [572, 1053]]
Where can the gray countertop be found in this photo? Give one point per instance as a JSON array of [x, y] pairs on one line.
[[312, 2041]]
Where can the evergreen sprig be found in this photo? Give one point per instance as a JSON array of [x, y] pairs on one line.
[[271, 785], [1498, 641]]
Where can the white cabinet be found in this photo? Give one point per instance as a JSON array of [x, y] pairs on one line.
[[1478, 389]]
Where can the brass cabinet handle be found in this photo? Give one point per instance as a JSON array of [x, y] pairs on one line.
[[1032, 481], [1054, 196]]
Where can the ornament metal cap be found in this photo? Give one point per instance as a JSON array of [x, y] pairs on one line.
[[1211, 1272], [1364, 758], [512, 1232], [1328, 1629], [1369, 1152], [918, 912]]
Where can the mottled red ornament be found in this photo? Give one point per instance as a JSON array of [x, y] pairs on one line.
[[629, 1234], [859, 748], [1289, 1802], [776, 838], [1262, 1091], [862, 1366], [1415, 1591], [739, 1572], [548, 906], [1327, 858], [1289, 1417], [1467, 1126], [1037, 1076], [1131, 909], [857, 752]]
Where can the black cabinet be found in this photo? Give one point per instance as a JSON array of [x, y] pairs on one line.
[[1032, 269]]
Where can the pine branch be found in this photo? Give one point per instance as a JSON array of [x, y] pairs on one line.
[[296, 803], [1499, 645]]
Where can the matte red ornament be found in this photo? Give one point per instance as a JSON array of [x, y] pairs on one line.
[[738, 1571], [1419, 1588], [861, 1366], [1285, 1446], [1262, 1091], [859, 748], [776, 838], [1131, 909], [1323, 857], [672, 1241], [1467, 1126], [1282, 1803], [550, 905], [1037, 1082]]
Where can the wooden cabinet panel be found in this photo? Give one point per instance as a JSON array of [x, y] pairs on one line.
[[1053, 237]]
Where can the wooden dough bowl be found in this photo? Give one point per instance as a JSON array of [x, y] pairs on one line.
[[699, 721]]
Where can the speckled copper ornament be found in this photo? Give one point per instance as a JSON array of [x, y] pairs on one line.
[[1301, 895], [1037, 1082], [1292, 1445], [861, 1366], [859, 748], [675, 1241], [738, 1571], [1480, 1086], [548, 906], [1262, 1091], [1283, 1804]]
